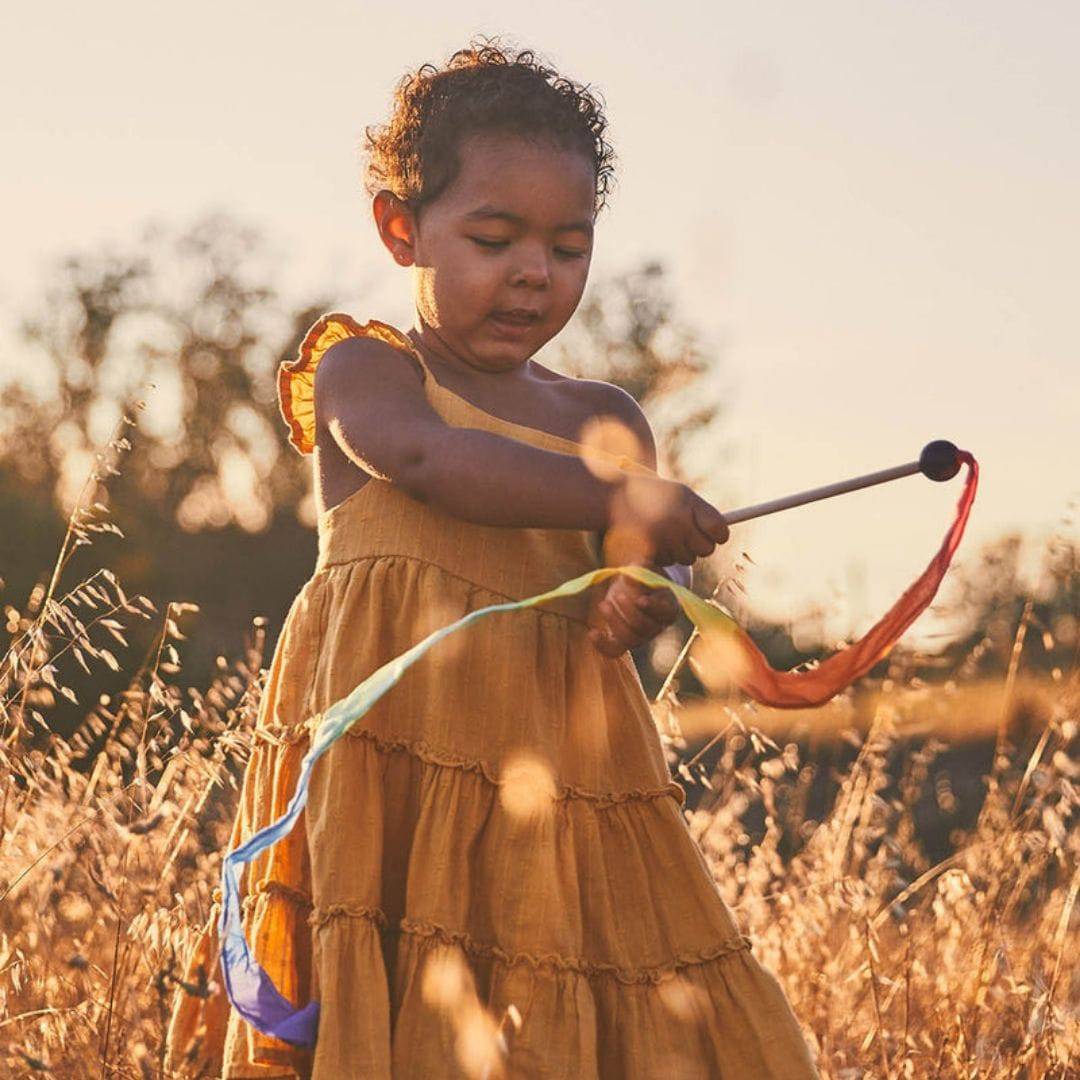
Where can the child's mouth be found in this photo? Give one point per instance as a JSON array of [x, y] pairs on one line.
[[514, 325]]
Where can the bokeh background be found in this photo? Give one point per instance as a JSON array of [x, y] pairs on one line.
[[864, 215], [839, 230]]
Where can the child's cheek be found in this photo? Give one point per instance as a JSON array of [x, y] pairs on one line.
[[477, 288], [459, 293]]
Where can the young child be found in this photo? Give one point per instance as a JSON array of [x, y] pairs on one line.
[[508, 803]]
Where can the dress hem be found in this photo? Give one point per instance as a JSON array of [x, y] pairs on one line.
[[440, 758], [554, 962]]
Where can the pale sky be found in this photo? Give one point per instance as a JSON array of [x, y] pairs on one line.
[[868, 212]]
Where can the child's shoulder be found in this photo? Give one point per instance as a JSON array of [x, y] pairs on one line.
[[601, 399], [601, 395], [329, 350]]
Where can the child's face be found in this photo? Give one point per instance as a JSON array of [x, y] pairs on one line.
[[514, 230]]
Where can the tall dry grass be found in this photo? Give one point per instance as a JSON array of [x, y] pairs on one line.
[[111, 841]]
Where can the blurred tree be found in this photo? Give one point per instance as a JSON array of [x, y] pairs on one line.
[[190, 323], [992, 593], [215, 505]]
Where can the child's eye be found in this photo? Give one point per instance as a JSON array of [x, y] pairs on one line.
[[563, 253]]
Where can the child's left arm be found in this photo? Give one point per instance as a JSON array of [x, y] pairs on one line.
[[623, 613]]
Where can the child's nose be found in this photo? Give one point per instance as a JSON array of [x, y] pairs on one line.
[[532, 267]]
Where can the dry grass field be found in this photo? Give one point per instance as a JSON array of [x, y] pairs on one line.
[[899, 962]]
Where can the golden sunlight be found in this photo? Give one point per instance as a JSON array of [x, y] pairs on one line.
[[605, 439], [527, 789]]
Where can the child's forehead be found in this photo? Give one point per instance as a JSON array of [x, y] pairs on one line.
[[492, 212], [514, 179]]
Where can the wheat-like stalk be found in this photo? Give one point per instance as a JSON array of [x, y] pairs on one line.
[[898, 963]]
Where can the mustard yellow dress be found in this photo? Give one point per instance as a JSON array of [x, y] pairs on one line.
[[507, 804]]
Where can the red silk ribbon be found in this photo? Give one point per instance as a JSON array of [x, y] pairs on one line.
[[804, 689]]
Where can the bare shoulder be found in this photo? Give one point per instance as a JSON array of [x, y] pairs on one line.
[[611, 400], [365, 358], [362, 375], [371, 409], [597, 395]]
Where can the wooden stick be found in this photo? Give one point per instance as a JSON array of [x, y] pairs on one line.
[[939, 460]]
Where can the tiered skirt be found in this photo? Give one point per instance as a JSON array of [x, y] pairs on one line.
[[494, 855]]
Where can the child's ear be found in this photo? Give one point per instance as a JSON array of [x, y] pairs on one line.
[[396, 225]]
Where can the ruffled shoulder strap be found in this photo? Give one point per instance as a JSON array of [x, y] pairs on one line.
[[296, 378]]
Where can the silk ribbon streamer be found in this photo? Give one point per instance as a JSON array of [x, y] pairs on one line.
[[248, 986]]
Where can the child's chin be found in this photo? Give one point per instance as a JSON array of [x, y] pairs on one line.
[[508, 353]]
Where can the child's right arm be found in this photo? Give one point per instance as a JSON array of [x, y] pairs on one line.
[[374, 407]]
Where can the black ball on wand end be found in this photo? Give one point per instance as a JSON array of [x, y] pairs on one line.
[[939, 460]]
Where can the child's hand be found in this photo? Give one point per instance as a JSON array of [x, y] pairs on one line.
[[626, 614], [657, 522]]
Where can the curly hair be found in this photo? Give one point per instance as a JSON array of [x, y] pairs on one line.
[[481, 88]]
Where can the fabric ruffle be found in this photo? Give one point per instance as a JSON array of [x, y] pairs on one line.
[[296, 378]]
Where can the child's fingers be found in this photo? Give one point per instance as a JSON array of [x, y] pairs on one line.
[[604, 643], [659, 604], [629, 615], [649, 623], [626, 617]]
